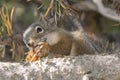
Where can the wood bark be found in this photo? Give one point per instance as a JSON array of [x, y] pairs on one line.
[[67, 68]]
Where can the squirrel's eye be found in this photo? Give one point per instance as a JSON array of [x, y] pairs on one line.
[[39, 29]]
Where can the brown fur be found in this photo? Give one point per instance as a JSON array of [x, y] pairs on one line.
[[61, 42]]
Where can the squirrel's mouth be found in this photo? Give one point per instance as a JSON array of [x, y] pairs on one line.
[[34, 43]]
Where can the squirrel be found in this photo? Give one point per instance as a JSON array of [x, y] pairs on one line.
[[61, 42]]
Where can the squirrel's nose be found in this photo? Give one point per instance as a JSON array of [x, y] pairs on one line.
[[30, 43]]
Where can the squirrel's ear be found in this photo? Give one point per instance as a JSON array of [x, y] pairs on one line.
[[42, 20], [46, 21]]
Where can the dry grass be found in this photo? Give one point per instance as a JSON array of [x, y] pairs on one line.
[[6, 30], [6, 20]]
